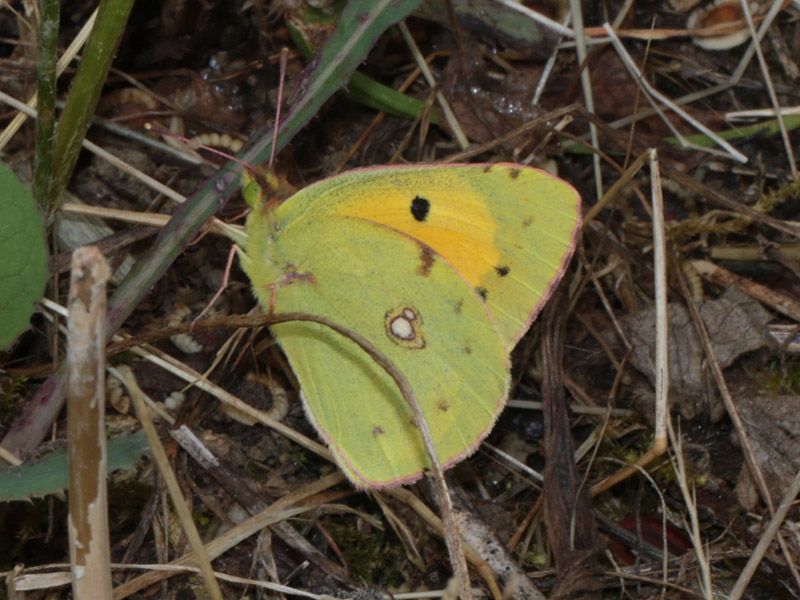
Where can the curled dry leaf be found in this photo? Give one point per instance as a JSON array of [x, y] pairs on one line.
[[736, 324], [773, 427]]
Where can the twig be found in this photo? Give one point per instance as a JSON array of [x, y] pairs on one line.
[[447, 112], [724, 278], [766, 539], [89, 548], [178, 501], [662, 335], [576, 7]]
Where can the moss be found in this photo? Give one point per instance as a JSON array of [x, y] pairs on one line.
[[780, 376], [373, 558]]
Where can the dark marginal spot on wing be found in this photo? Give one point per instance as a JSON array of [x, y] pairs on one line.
[[458, 307], [443, 405], [487, 168], [467, 350], [502, 270], [426, 260], [514, 173], [420, 208], [483, 293], [527, 222], [377, 430]]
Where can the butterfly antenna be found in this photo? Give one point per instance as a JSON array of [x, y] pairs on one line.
[[256, 173], [281, 84], [194, 145]]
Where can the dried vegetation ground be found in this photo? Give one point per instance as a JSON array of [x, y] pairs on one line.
[[730, 206]]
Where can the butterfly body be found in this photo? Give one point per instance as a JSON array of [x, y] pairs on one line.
[[442, 268]]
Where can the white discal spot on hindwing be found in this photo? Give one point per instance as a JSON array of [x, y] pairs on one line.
[[404, 327]]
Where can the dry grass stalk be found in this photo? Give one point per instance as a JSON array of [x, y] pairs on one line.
[[89, 549], [171, 482], [769, 534], [662, 334], [290, 505]]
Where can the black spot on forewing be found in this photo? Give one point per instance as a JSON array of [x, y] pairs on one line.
[[483, 293], [420, 208], [502, 270]]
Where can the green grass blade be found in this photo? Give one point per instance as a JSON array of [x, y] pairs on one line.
[[85, 91], [46, 92]]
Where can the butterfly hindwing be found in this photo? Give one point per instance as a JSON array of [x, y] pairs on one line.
[[419, 314]]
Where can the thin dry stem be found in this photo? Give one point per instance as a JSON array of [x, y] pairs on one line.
[[691, 506], [773, 97], [286, 507], [653, 94], [449, 116], [661, 365], [787, 502], [176, 495]]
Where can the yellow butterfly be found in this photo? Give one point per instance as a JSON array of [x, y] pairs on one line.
[[442, 267]]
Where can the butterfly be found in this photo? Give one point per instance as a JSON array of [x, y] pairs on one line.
[[442, 268]]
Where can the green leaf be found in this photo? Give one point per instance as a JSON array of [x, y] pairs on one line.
[[23, 270], [49, 475]]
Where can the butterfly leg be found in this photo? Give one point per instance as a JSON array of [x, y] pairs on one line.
[[273, 287], [225, 281]]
